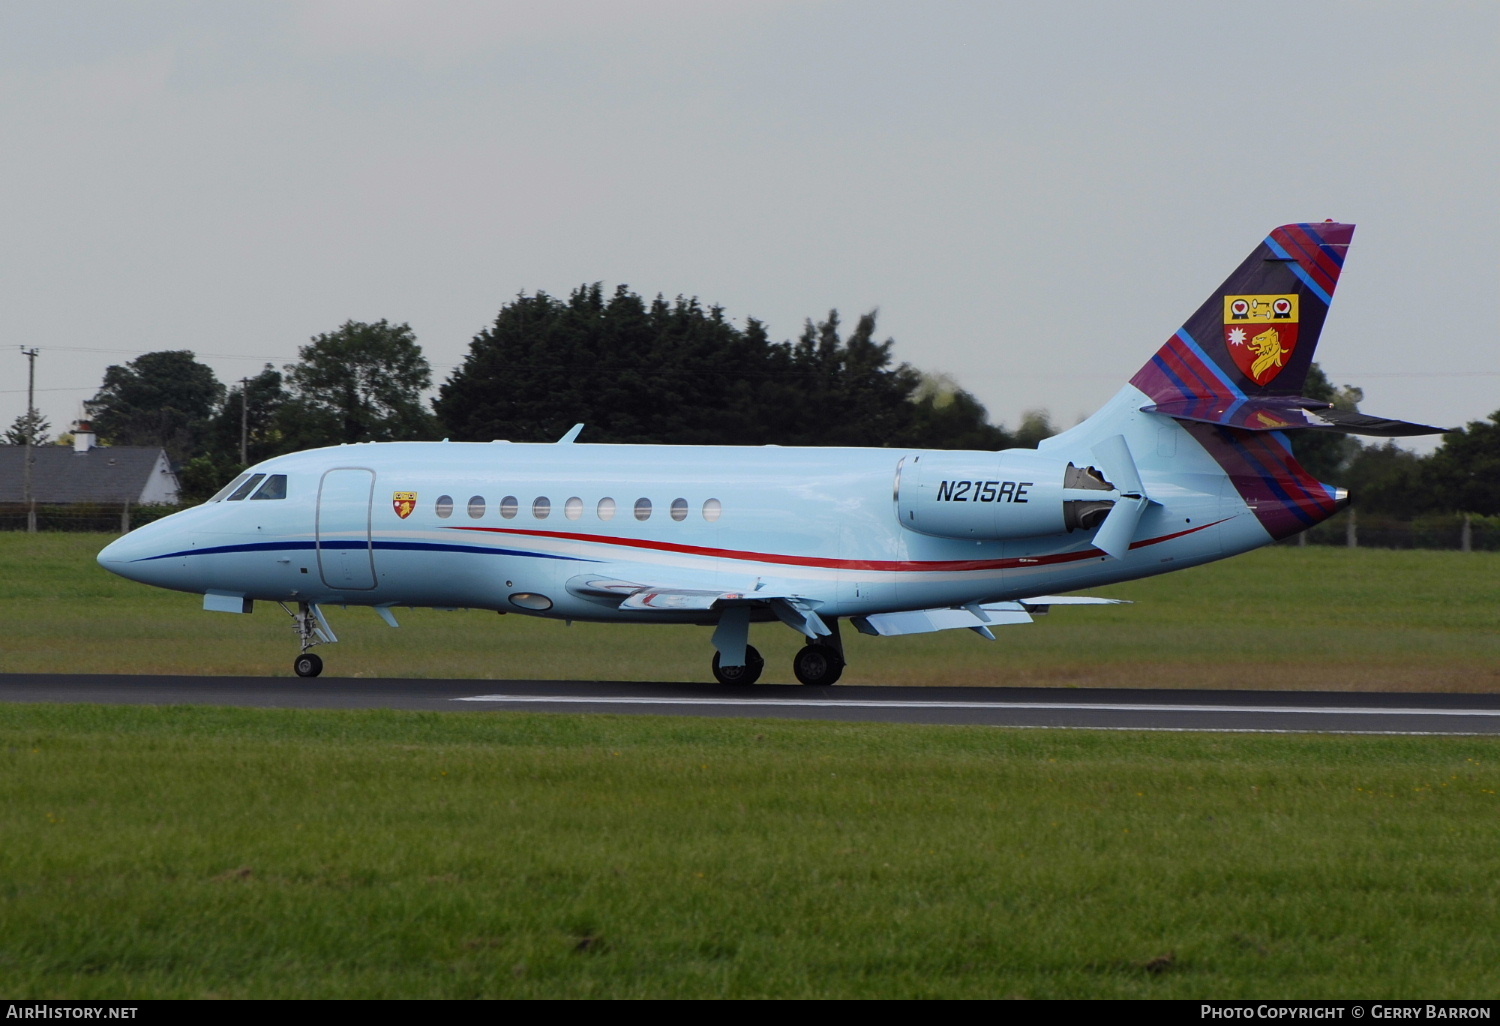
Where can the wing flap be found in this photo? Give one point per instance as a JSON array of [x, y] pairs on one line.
[[692, 597], [926, 621]]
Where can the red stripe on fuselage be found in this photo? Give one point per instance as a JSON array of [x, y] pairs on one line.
[[823, 563]]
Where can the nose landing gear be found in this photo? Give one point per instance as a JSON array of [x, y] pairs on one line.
[[312, 629]]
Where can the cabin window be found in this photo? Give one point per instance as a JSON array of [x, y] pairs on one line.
[[606, 509], [444, 506], [274, 488], [643, 509], [573, 508], [679, 509], [224, 492], [541, 507], [712, 510], [509, 507], [246, 488], [476, 506]]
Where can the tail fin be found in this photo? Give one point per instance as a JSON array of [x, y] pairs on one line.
[[1230, 375], [1256, 334]]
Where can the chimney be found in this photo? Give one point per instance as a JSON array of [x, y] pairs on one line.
[[83, 436]]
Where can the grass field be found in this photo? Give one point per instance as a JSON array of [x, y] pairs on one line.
[[190, 852], [1283, 617], [196, 852]]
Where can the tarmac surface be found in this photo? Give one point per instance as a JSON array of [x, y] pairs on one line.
[[1093, 708]]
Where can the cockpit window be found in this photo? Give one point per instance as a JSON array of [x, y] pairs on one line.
[[246, 488], [223, 493], [274, 488]]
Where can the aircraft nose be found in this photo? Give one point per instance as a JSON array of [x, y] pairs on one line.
[[121, 555], [143, 555]]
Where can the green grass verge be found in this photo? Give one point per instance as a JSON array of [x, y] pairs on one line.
[[1283, 617], [188, 852]]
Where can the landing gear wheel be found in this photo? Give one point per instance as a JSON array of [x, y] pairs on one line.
[[818, 664], [747, 674], [308, 665]]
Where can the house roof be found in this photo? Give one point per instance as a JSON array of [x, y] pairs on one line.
[[116, 473]]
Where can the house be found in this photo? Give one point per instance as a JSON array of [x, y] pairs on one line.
[[88, 473]]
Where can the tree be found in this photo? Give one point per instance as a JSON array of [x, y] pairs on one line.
[[947, 416], [848, 392], [1464, 473], [250, 412], [361, 383], [29, 424], [159, 399], [1387, 480], [1035, 426], [679, 372], [633, 372]]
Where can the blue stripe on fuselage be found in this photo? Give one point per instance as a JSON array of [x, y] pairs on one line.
[[218, 550]]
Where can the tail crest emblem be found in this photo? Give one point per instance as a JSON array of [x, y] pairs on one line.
[[1261, 354]]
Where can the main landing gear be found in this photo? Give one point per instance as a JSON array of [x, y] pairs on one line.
[[312, 629], [747, 674], [819, 662]]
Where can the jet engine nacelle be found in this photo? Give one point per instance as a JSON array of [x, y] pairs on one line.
[[988, 497]]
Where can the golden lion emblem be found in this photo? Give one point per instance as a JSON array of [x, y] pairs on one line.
[[1268, 352]]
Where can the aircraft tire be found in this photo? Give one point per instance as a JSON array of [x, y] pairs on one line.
[[818, 664], [308, 665], [747, 674]]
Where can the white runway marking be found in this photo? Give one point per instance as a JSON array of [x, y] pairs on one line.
[[844, 703]]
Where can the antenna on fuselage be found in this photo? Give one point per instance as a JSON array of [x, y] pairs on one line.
[[571, 436]]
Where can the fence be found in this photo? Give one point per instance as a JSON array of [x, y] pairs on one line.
[[111, 517], [1465, 532]]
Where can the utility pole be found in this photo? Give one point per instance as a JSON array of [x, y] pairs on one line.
[[30, 422], [244, 421]]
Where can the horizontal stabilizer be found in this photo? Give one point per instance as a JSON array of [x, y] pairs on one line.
[[1287, 413], [1350, 423]]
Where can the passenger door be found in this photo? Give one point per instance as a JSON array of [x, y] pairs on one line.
[[346, 557]]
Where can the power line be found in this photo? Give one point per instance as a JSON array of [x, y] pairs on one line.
[[143, 352]]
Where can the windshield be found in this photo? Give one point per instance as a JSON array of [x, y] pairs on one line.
[[219, 495]]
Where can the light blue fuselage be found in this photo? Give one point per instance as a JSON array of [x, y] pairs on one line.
[[820, 523]]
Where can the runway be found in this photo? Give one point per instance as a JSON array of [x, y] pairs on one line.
[[1091, 708]]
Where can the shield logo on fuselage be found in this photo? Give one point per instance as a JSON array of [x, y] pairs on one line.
[[404, 503]]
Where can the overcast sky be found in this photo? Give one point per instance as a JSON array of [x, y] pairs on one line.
[[1034, 195]]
